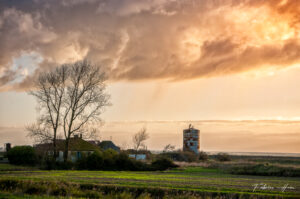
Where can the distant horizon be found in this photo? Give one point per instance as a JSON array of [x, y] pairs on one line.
[[215, 135], [231, 68]]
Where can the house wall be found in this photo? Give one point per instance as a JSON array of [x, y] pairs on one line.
[[138, 156], [73, 155], [60, 156]]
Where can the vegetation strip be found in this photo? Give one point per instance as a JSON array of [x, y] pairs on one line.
[[227, 184], [83, 190]]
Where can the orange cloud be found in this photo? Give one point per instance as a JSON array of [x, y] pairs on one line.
[[160, 39]]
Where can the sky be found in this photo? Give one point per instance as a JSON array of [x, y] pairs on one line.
[[169, 63]]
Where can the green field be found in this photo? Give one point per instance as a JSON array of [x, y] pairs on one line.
[[10, 167], [189, 179]]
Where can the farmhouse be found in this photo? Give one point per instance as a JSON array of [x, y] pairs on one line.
[[77, 148]]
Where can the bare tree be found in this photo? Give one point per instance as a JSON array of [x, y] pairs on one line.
[[84, 99], [40, 133], [91, 133], [70, 98], [168, 148], [139, 138], [49, 91]]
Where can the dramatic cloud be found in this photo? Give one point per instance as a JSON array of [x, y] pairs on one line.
[[150, 39]]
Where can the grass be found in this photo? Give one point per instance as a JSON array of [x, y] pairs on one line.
[[191, 179], [10, 167], [25, 196], [123, 195]]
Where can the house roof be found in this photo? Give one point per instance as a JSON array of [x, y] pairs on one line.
[[75, 144], [107, 144]]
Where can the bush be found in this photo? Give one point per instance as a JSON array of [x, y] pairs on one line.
[[59, 191], [222, 157], [190, 156], [35, 189], [123, 162], [64, 165], [202, 156], [9, 185], [163, 164], [110, 160], [22, 155], [81, 163], [94, 161], [265, 170], [182, 156], [50, 164]]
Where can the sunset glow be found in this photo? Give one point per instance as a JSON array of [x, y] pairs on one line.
[[166, 60]]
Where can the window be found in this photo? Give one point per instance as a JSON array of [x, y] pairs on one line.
[[78, 154]]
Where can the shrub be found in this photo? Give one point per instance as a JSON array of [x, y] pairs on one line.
[[109, 159], [49, 163], [35, 189], [22, 155], [222, 157], [163, 164], [190, 156], [59, 191], [92, 194], [140, 166], [182, 156], [123, 162], [81, 163], [265, 170], [64, 165], [8, 185], [203, 156], [94, 161]]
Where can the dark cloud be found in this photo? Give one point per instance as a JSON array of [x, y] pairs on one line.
[[227, 60], [150, 39], [217, 48]]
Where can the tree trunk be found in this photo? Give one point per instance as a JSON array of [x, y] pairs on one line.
[[55, 154], [66, 152]]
